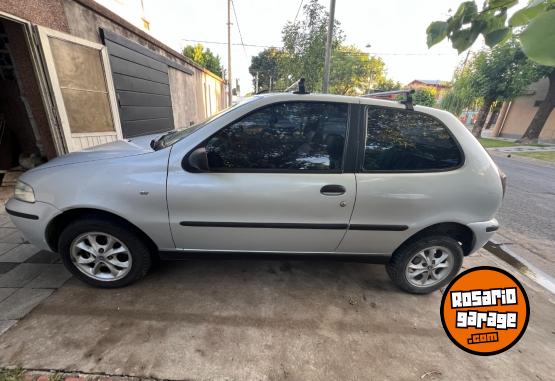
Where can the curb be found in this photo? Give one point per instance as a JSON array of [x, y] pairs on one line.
[[504, 252]]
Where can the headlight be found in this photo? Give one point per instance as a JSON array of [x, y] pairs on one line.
[[24, 192]]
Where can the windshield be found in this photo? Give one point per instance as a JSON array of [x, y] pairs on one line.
[[173, 137]]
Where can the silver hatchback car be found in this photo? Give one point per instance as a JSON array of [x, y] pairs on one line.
[[293, 174]]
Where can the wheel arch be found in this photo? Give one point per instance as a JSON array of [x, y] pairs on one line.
[[58, 223], [462, 233]]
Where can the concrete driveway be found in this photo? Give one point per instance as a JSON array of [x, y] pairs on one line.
[[267, 320]]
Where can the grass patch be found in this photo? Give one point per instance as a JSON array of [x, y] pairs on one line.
[[544, 155], [494, 143], [11, 374]]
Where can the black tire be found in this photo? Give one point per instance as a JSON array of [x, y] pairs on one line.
[[139, 251], [400, 258]]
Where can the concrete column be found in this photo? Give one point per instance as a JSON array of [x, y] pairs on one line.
[[500, 119]]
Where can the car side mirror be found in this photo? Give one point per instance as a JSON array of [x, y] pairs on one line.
[[196, 161]]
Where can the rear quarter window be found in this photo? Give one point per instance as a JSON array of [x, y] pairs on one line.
[[403, 140]]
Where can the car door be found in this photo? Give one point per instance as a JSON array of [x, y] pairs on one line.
[[406, 177], [278, 181]]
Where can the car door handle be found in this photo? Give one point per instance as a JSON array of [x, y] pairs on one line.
[[333, 190]]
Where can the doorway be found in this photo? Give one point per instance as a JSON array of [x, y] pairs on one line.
[[25, 141]]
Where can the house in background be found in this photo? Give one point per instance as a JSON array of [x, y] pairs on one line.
[[515, 116], [74, 74], [439, 86]]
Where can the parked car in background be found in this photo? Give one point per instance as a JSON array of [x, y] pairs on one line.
[[277, 174]]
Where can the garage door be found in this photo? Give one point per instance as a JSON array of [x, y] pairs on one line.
[[142, 86]]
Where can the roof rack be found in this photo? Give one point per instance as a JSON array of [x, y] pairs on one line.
[[408, 101], [301, 89]]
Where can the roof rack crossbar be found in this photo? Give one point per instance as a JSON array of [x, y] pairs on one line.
[[408, 101]]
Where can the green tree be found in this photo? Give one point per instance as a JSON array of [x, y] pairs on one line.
[[204, 57], [353, 72], [533, 25], [461, 95], [304, 44], [425, 96], [499, 74], [387, 84], [269, 65]]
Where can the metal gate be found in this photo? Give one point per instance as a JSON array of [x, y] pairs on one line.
[[142, 86]]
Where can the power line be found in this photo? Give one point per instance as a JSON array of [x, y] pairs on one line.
[[225, 43], [334, 52], [239, 29]]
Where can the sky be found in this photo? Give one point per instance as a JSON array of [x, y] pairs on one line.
[[394, 29]]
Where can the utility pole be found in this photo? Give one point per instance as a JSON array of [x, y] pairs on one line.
[[256, 84], [229, 77], [329, 41]]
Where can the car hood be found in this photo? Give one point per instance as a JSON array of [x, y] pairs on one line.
[[118, 149]]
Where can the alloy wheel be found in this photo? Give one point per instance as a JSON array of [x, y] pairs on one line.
[[429, 266], [101, 256]]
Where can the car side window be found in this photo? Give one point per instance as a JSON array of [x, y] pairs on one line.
[[283, 136], [403, 140]]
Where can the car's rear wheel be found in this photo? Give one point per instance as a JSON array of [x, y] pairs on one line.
[[425, 265], [104, 254]]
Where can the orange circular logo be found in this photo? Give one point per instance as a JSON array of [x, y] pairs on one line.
[[485, 310]]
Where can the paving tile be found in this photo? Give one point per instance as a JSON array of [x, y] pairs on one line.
[[20, 275], [43, 256], [19, 254], [52, 276], [4, 247], [6, 324], [5, 292], [7, 266], [8, 224], [21, 302], [11, 235], [4, 232], [4, 219]]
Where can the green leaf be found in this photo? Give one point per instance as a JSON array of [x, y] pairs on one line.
[[465, 13], [497, 36], [501, 3], [463, 39], [538, 39], [528, 13], [489, 21], [436, 32]]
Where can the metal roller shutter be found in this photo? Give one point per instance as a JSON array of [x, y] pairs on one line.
[[142, 86]]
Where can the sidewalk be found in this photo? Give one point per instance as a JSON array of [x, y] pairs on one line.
[[27, 274], [514, 149]]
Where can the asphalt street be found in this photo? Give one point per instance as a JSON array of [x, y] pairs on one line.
[[527, 216]]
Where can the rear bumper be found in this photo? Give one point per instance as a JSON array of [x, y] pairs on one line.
[[32, 219], [483, 231]]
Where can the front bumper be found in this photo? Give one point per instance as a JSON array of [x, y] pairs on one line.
[[483, 231], [32, 219]]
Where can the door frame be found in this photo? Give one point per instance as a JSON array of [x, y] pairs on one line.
[[42, 82], [43, 34]]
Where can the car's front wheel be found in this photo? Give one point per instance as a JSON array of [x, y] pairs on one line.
[[103, 253], [425, 265]]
